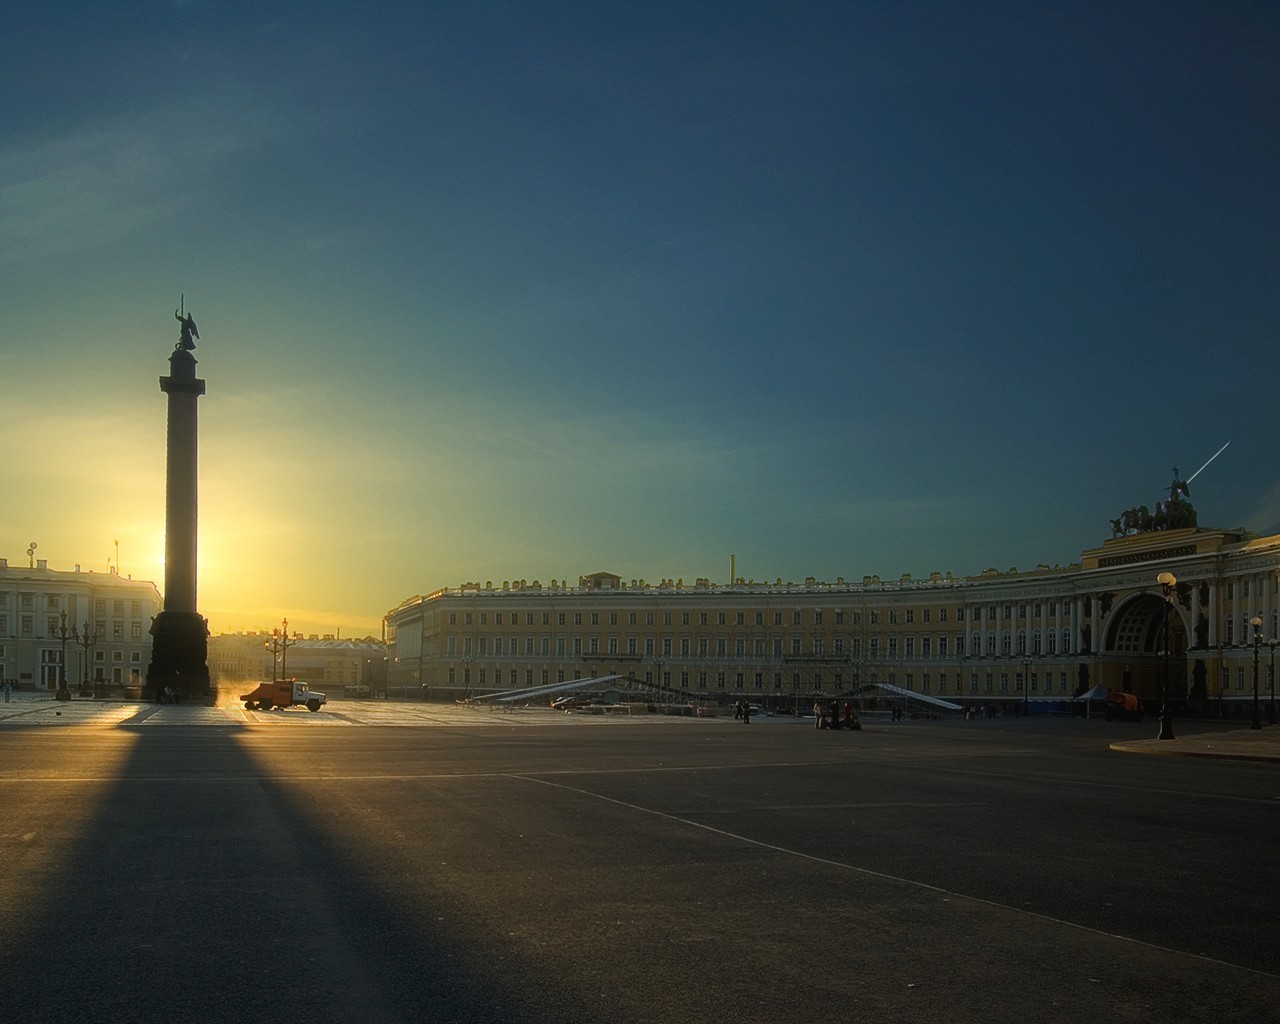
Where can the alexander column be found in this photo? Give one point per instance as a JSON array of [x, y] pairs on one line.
[[180, 635]]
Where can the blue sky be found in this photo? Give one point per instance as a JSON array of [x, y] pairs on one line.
[[493, 291]]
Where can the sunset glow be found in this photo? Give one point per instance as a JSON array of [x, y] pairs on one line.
[[531, 292]]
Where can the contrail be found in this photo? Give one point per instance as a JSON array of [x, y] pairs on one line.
[[1211, 458]]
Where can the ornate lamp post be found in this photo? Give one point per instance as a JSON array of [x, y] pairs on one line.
[[1167, 581], [1256, 622], [64, 634], [279, 645], [1026, 684], [87, 639]]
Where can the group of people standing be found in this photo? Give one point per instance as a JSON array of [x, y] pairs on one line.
[[836, 717]]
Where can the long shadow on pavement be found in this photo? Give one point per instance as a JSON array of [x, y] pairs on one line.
[[198, 891]]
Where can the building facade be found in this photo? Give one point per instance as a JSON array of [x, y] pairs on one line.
[[996, 638], [92, 626], [330, 664]]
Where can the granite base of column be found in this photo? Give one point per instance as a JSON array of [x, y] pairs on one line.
[[179, 656]]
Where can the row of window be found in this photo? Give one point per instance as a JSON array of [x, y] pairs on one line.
[[942, 684], [1003, 645], [894, 616], [54, 602], [53, 627]]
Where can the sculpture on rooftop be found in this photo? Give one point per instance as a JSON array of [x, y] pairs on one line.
[[1175, 514]]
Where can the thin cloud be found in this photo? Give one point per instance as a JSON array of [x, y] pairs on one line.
[[101, 180]]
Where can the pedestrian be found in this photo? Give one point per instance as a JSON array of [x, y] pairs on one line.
[[737, 709], [835, 714], [8, 690], [817, 715], [746, 712]]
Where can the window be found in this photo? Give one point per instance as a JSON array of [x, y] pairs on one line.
[[720, 618], [497, 618], [942, 617], [893, 616], [595, 618], [795, 618], [893, 646], [777, 618], [839, 616], [795, 645], [613, 619], [875, 616], [911, 615], [817, 617]]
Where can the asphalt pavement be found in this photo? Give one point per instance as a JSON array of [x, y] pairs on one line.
[[395, 862]]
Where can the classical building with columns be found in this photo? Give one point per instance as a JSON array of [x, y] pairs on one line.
[[996, 638], [90, 626]]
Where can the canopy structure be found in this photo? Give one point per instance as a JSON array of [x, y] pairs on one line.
[[898, 691], [1097, 693], [533, 692]]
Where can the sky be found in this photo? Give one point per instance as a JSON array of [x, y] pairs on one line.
[[521, 290]]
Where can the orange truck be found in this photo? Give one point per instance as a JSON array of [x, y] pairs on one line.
[[283, 695]]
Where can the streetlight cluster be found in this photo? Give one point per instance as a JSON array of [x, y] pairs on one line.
[[87, 639], [279, 645]]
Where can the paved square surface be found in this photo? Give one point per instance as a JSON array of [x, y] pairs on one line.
[[190, 864]]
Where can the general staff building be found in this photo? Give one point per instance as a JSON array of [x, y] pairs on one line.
[[999, 637]]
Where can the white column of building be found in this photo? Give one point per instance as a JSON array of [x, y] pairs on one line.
[[1077, 617]]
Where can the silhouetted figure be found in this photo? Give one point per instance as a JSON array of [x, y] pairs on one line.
[[188, 330]]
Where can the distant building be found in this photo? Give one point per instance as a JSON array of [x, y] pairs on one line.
[[355, 667], [106, 618], [996, 638]]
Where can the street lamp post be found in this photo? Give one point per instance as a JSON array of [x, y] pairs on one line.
[[1256, 622], [87, 639], [1271, 683], [64, 634], [1167, 581]]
